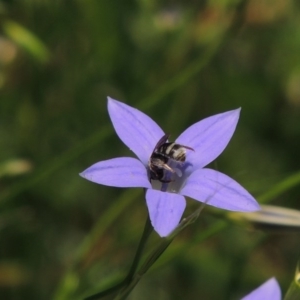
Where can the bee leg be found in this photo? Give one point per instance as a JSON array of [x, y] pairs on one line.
[[168, 168]]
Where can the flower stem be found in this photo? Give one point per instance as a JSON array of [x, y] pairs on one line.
[[144, 268], [127, 280], [146, 233], [157, 252]]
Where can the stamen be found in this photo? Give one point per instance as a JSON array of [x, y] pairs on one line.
[[178, 172]]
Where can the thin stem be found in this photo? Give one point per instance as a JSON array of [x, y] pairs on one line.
[[144, 268], [146, 233], [156, 253]]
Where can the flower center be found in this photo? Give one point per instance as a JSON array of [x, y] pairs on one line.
[[167, 165], [173, 180]]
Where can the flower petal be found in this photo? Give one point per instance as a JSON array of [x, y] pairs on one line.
[[209, 137], [118, 172], [270, 290], [136, 130], [219, 190], [165, 210]]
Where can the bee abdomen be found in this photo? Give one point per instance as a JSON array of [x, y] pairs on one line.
[[178, 153], [173, 151]]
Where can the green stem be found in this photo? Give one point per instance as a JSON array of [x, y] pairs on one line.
[[144, 268], [146, 233], [157, 252]]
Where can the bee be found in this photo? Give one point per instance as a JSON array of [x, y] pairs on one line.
[[162, 153]]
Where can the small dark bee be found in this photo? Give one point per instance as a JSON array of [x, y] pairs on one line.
[[162, 153]]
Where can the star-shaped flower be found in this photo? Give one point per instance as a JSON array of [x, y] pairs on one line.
[[270, 290], [166, 203]]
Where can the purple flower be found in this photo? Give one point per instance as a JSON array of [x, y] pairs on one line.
[[270, 290], [165, 201]]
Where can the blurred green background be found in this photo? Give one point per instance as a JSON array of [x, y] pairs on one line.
[[63, 237]]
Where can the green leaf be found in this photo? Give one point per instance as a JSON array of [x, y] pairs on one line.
[[26, 40], [270, 217]]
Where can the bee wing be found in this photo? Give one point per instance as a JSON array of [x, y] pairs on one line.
[[161, 141]]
